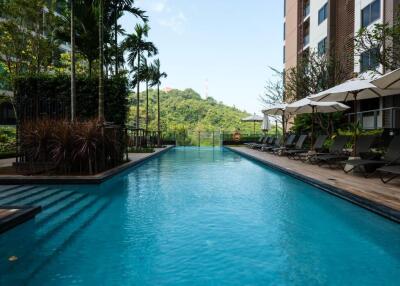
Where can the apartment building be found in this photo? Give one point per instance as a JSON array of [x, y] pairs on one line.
[[328, 27]]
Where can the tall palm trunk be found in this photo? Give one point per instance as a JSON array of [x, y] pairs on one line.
[[101, 63], [158, 117], [138, 98], [73, 85], [147, 105], [116, 37]]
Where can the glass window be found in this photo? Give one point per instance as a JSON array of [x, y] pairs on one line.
[[323, 13], [369, 60], [284, 54], [371, 13], [322, 47]]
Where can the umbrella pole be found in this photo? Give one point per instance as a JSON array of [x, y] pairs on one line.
[[276, 128], [355, 125], [312, 128], [254, 127]]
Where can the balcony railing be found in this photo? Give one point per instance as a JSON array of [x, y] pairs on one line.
[[388, 118]]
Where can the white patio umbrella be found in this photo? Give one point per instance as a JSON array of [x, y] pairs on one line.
[[266, 124], [277, 109], [306, 105], [389, 81], [352, 90], [253, 118]]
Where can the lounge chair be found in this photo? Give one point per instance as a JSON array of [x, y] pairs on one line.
[[260, 140], [288, 143], [392, 171], [335, 152], [275, 144], [298, 146], [392, 157], [268, 140], [363, 144], [297, 154]]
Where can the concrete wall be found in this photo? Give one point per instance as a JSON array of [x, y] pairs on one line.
[[291, 33]]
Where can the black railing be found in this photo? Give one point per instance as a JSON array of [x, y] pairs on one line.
[[386, 118]]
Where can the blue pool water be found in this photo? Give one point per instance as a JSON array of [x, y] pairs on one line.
[[199, 217]]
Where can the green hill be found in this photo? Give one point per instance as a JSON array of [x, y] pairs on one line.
[[186, 110]]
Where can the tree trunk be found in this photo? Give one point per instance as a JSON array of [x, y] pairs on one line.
[[138, 98], [158, 117], [147, 105], [101, 60], [73, 90], [90, 68], [116, 37]]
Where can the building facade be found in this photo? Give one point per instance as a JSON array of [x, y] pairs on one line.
[[328, 27]]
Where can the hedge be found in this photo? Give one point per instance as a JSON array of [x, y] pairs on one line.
[[47, 95]]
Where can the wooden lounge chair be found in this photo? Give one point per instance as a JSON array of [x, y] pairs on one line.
[[297, 154], [391, 157]]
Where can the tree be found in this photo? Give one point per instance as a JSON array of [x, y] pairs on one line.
[[274, 89], [157, 76], [383, 42], [114, 10], [136, 44], [101, 59], [73, 63]]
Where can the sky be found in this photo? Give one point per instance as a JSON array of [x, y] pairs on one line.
[[222, 48]]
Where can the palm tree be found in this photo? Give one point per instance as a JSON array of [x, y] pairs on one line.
[[114, 9], [157, 75], [101, 59], [73, 84], [145, 75], [135, 44]]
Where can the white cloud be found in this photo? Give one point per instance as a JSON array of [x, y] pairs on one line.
[[175, 22]]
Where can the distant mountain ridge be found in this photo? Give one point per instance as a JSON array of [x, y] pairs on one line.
[[185, 109]]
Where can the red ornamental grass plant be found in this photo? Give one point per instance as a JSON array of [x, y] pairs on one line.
[[81, 147]]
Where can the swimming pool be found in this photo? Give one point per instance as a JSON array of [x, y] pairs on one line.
[[199, 217]]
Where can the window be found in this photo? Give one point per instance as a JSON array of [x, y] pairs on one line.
[[323, 13], [371, 13], [369, 60], [322, 47], [306, 9], [284, 31], [284, 8], [284, 54]]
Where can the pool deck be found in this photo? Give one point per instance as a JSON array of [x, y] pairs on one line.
[[134, 159], [369, 193], [11, 216]]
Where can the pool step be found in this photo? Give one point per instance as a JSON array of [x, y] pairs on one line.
[[51, 211], [59, 227], [7, 187], [63, 218], [15, 191], [16, 198]]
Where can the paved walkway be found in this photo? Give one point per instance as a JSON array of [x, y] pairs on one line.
[[371, 189], [6, 162]]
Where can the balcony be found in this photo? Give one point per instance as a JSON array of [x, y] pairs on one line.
[[387, 118]]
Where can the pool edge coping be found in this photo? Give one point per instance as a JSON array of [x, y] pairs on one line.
[[363, 202], [79, 180]]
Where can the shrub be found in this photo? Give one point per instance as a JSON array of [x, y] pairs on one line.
[[49, 96], [82, 147]]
